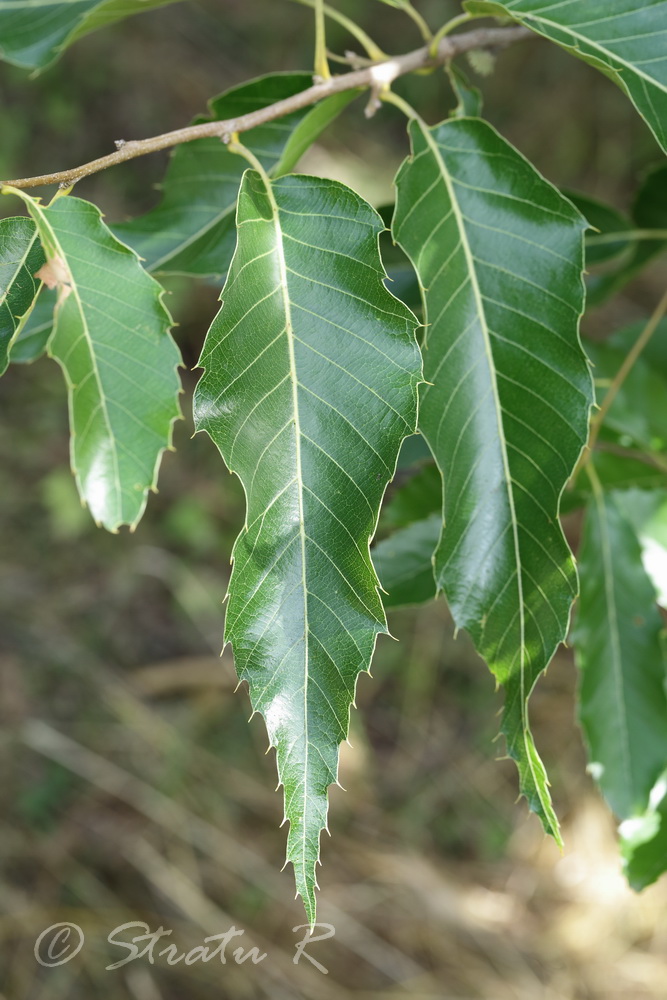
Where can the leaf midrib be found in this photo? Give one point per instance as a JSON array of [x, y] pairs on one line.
[[289, 333]]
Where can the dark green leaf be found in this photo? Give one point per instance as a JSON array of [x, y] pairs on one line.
[[404, 563], [34, 32], [619, 650], [625, 39], [310, 385], [500, 254], [111, 338], [192, 230]]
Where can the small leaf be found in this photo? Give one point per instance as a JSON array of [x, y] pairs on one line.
[[404, 563], [622, 38], [619, 651], [32, 338], [33, 33], [310, 385], [111, 338], [499, 253], [469, 98], [21, 257], [192, 230]]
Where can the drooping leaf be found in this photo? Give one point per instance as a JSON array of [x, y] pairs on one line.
[[34, 32], [643, 840], [625, 39], [500, 254], [649, 213], [111, 338], [310, 385], [469, 97], [32, 338], [404, 563], [607, 240], [618, 644], [21, 257], [191, 231]]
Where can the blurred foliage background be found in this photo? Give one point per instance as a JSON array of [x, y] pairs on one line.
[[132, 787]]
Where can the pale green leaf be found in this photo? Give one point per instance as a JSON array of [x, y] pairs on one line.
[[34, 32], [21, 257], [625, 39], [500, 254], [310, 385], [192, 230], [111, 338], [619, 650], [404, 563]]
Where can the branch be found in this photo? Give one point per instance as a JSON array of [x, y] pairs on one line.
[[376, 77]]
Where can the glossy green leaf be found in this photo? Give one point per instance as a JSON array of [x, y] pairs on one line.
[[469, 97], [21, 257], [610, 235], [34, 32], [404, 563], [625, 39], [192, 229], [111, 338], [32, 338], [310, 385], [649, 214], [644, 840], [618, 644], [500, 255]]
